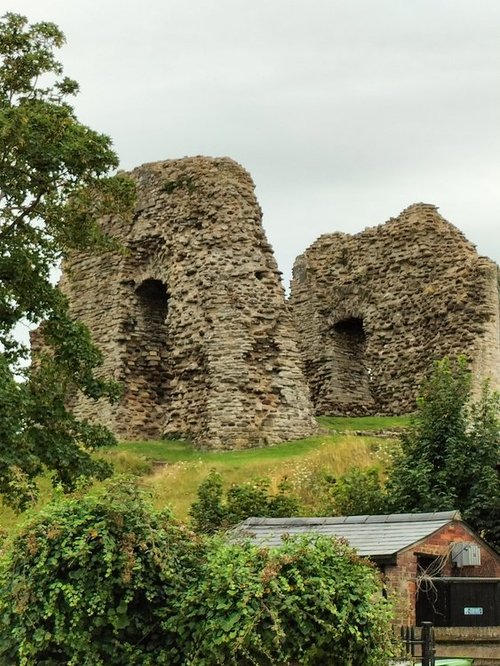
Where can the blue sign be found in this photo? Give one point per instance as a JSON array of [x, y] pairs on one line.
[[473, 610]]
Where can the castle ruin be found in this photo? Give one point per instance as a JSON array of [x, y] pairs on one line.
[[191, 315], [375, 309]]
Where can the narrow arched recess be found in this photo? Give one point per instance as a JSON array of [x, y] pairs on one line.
[[352, 377], [152, 301], [147, 357]]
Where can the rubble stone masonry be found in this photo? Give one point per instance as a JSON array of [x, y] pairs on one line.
[[374, 310], [191, 315]]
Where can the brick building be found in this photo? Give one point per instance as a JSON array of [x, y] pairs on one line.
[[435, 565]]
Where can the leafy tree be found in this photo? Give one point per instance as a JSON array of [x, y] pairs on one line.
[[310, 601], [450, 454], [212, 511], [55, 184], [96, 580]]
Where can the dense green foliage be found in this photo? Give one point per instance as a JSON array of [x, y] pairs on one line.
[[450, 453], [106, 579], [55, 184], [95, 580], [358, 492], [212, 511], [307, 602]]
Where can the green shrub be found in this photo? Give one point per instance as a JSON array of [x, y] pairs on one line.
[[95, 580], [208, 512], [106, 579], [311, 601], [212, 511], [359, 492]]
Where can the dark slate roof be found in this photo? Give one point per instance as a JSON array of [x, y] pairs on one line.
[[369, 535]]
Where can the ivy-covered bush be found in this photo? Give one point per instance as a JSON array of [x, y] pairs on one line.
[[307, 602], [212, 511], [106, 579], [95, 580]]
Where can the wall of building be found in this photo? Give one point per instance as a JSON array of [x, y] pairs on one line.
[[191, 315], [374, 310], [402, 578], [480, 643]]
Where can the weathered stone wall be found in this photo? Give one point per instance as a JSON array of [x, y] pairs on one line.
[[374, 310], [191, 317]]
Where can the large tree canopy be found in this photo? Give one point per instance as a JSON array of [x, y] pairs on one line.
[[55, 183], [450, 454]]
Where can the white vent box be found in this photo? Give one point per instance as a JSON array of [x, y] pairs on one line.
[[466, 554]]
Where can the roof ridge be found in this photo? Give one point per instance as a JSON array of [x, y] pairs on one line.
[[337, 520]]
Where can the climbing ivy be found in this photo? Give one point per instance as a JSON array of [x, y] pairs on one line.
[[106, 579], [95, 580], [311, 601]]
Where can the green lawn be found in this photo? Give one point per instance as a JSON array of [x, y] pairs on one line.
[[364, 422], [186, 466], [177, 451]]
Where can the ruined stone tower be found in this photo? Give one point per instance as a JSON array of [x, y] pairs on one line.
[[375, 310], [191, 316]]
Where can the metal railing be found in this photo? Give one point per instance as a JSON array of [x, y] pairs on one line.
[[424, 639]]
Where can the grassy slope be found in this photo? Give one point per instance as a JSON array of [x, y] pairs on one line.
[[176, 482], [364, 422]]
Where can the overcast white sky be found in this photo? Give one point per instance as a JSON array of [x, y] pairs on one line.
[[344, 111]]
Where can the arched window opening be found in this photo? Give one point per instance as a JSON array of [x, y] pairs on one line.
[[352, 327], [153, 301], [352, 375], [148, 352]]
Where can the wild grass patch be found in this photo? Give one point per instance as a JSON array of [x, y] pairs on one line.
[[300, 462]]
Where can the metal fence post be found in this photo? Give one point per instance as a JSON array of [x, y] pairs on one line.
[[427, 644]]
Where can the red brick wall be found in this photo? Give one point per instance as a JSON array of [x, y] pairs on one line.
[[401, 578]]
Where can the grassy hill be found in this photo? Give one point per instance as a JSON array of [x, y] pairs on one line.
[[174, 469]]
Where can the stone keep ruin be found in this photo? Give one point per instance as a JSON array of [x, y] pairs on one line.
[[191, 316], [375, 309], [192, 320]]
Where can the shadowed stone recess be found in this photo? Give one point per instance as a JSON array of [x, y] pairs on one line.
[[374, 310], [191, 316]]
